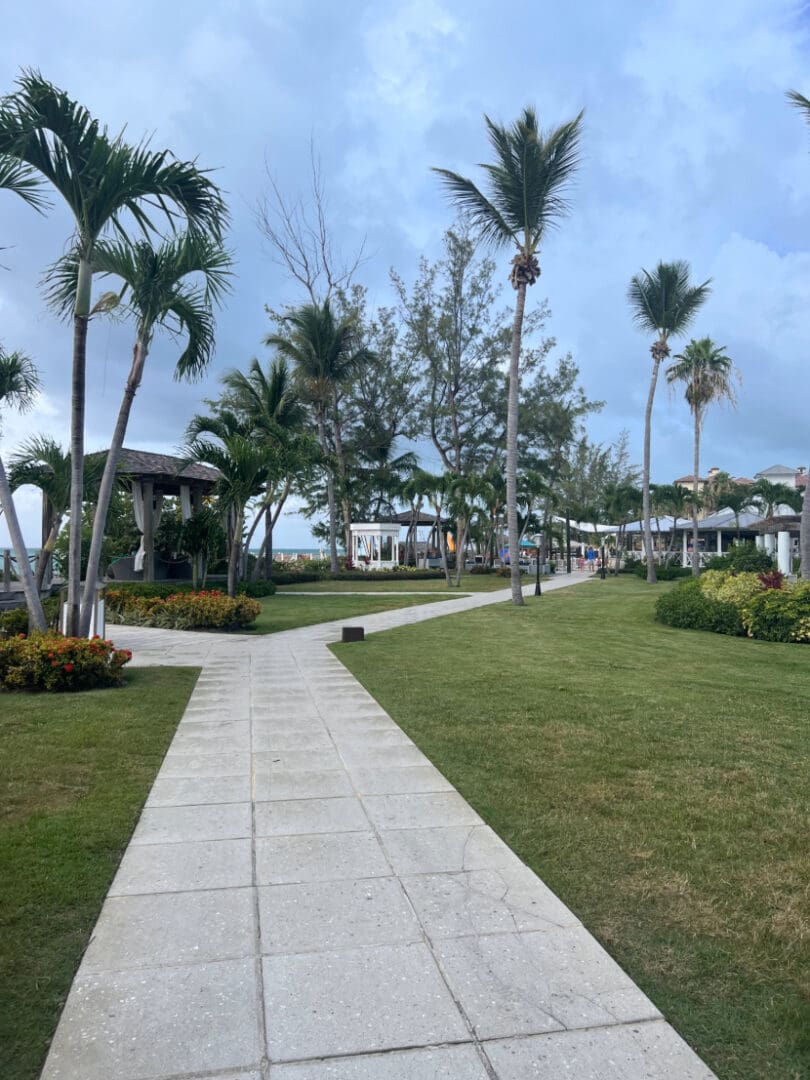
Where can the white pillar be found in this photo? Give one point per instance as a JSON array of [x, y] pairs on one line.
[[770, 543], [784, 553], [685, 552], [719, 542], [760, 541]]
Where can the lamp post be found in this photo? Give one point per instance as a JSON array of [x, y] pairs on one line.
[[537, 591]]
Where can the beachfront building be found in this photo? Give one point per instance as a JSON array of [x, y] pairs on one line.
[[375, 545]]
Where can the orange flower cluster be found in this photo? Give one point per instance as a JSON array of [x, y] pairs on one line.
[[55, 663]]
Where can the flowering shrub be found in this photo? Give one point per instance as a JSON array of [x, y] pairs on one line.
[[729, 588], [55, 663], [206, 610]]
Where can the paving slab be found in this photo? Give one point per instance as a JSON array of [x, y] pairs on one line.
[[435, 1063], [306, 897], [349, 1002], [141, 1025], [651, 1051]]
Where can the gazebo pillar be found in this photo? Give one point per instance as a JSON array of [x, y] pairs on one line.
[[784, 553], [685, 552], [719, 541], [770, 543], [148, 530], [759, 540]]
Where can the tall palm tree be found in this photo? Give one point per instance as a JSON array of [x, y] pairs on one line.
[[325, 351], [735, 497], [171, 286], [241, 459], [803, 105], [708, 375], [664, 303], [105, 183], [524, 200], [19, 385], [42, 463]]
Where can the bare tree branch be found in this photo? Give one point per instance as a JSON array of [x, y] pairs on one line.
[[300, 237]]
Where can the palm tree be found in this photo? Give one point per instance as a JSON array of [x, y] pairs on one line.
[[242, 462], [172, 286], [19, 385], [662, 303], [325, 352], [42, 463], [270, 402], [803, 105], [104, 182], [768, 497], [524, 201], [707, 373], [621, 503], [737, 498]]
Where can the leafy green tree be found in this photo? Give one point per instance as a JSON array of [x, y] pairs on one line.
[[202, 538], [19, 386], [665, 303], [708, 375], [726, 492], [106, 184], [525, 198]]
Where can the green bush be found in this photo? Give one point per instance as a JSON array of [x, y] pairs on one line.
[[257, 588], [779, 614], [15, 622], [209, 610], [663, 572], [730, 588], [163, 589], [687, 607], [478, 569], [294, 577], [385, 575], [743, 558], [54, 663]]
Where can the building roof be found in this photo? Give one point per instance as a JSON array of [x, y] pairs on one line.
[[406, 518], [166, 469], [776, 470]]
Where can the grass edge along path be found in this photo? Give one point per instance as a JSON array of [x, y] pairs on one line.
[[289, 611], [655, 779], [75, 770]]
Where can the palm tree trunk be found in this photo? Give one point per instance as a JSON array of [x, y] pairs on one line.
[[36, 616], [340, 454], [46, 554], [81, 318], [511, 446], [236, 547], [645, 479], [804, 536], [330, 498], [695, 536], [139, 354]]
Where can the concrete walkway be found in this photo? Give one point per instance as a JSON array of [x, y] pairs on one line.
[[306, 897]]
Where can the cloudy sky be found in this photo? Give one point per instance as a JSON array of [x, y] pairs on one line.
[[689, 151]]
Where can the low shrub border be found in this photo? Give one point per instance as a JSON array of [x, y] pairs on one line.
[[208, 610], [757, 605], [54, 663]]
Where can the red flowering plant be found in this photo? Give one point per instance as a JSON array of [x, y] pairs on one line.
[[55, 663]]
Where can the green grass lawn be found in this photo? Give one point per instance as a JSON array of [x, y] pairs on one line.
[[656, 779], [283, 612], [469, 583], [75, 770]]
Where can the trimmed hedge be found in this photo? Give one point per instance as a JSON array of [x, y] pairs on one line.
[[779, 614], [689, 608], [163, 589], [50, 662], [209, 610], [743, 558]]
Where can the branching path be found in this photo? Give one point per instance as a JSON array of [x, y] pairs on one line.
[[306, 897]]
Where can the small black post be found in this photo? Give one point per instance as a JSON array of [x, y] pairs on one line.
[[602, 570], [537, 565]]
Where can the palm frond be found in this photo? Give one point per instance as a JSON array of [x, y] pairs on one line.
[[664, 301], [19, 381]]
